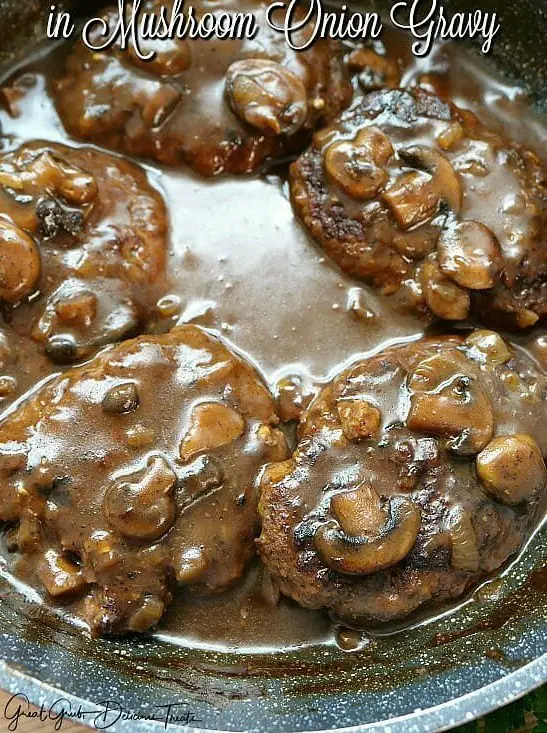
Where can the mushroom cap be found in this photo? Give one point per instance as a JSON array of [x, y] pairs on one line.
[[141, 506], [512, 468], [470, 254], [448, 399], [444, 179], [443, 296], [20, 264], [267, 96], [363, 554], [356, 166]]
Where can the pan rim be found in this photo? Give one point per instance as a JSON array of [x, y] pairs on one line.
[[442, 717]]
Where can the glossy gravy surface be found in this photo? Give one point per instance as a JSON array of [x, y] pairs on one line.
[[241, 265]]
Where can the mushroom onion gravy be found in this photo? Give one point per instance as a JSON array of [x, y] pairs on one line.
[[216, 426]]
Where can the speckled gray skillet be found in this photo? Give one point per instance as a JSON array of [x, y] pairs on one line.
[[429, 678]]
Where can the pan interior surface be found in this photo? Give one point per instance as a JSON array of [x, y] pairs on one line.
[[429, 676]]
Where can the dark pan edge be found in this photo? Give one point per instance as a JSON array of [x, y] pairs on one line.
[[433, 720]]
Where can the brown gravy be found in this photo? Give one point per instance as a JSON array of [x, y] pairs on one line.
[[241, 265]]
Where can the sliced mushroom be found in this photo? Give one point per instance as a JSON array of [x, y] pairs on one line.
[[470, 254], [60, 575], [73, 184], [365, 538], [447, 399], [101, 550], [75, 322], [412, 199], [416, 244], [121, 399], [199, 477], [267, 96], [191, 565], [488, 346], [444, 179], [148, 614], [511, 468], [212, 425], [442, 295], [358, 512], [465, 549], [359, 418], [356, 165], [143, 508], [20, 264]]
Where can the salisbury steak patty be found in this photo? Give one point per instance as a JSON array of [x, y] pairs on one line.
[[83, 240], [416, 473], [417, 197], [135, 471], [216, 104]]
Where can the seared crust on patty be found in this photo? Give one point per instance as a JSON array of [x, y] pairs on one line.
[[417, 473], [420, 199]]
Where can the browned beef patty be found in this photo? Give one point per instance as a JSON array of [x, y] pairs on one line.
[[420, 199], [417, 473], [215, 104], [135, 472], [83, 241]]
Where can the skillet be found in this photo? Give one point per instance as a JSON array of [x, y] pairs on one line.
[[430, 677]]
